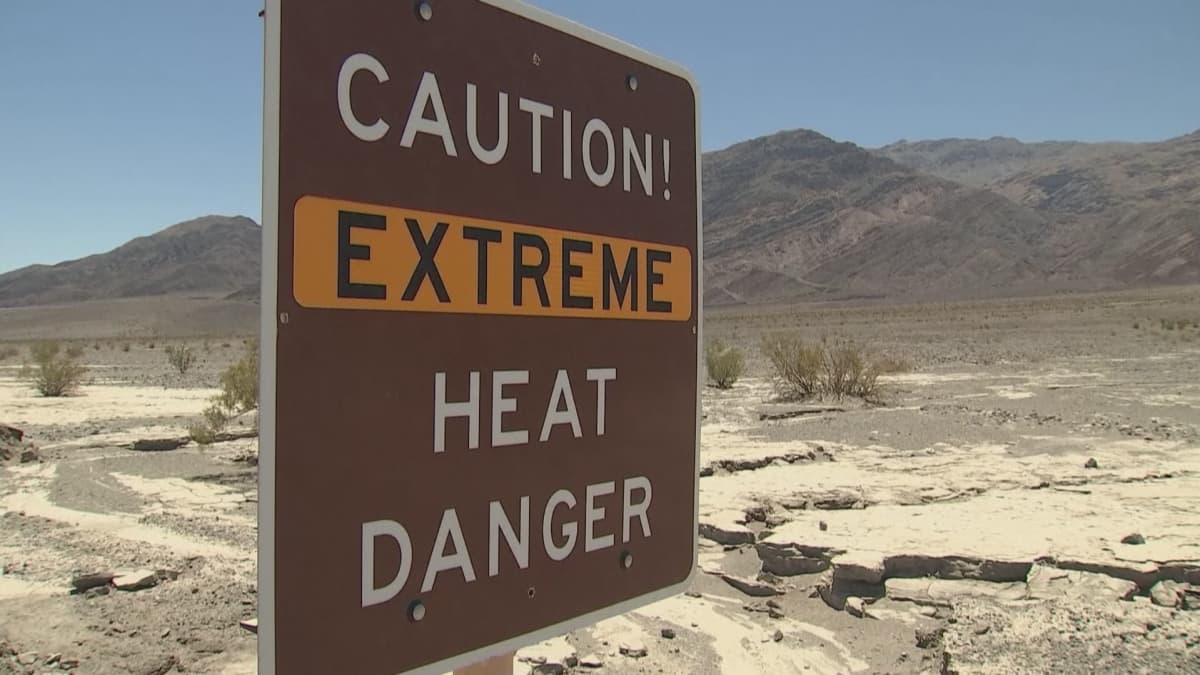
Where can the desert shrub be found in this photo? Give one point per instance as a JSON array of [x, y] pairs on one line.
[[215, 420], [53, 372], [797, 366], [125, 347], [181, 358], [1136, 325], [725, 363], [75, 351], [8, 352], [239, 394], [838, 369], [239, 382]]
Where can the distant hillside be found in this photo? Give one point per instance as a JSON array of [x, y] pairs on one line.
[[980, 162], [213, 255], [797, 215], [1129, 212], [1135, 210]]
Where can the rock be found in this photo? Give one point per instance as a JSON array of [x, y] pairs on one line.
[[11, 434], [726, 536], [1091, 463], [822, 525], [751, 587], [68, 664], [590, 661], [249, 624], [165, 633], [1050, 583], [693, 594], [929, 638], [777, 636], [53, 659], [668, 633], [548, 669], [982, 629], [786, 560], [855, 607], [158, 444], [867, 570], [29, 455], [96, 591], [27, 658], [136, 581], [930, 612], [774, 604], [633, 648], [1165, 594], [571, 661], [1134, 539], [83, 582]]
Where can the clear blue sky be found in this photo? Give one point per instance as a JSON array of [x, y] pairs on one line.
[[120, 118]]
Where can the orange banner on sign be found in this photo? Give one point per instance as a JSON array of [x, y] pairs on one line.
[[350, 255]]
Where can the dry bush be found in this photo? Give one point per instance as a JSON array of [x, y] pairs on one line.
[[53, 373], [181, 358], [239, 383], [74, 351], [239, 394], [797, 365], [125, 347], [838, 369], [725, 363], [848, 371]]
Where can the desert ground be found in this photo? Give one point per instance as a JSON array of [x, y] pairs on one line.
[[1025, 498]]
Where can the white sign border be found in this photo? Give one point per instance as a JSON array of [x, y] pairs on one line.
[[270, 324]]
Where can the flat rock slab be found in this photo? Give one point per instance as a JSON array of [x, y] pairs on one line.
[[944, 592], [83, 582], [1049, 583], [1013, 528], [752, 587], [136, 580], [158, 444]]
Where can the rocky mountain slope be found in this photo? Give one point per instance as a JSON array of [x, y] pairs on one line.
[[213, 255], [798, 215]]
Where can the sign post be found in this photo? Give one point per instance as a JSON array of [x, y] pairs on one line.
[[481, 328]]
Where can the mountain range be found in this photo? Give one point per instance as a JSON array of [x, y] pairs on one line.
[[796, 216]]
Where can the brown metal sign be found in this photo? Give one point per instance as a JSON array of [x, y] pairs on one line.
[[481, 315]]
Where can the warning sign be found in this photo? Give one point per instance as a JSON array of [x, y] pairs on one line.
[[481, 318]]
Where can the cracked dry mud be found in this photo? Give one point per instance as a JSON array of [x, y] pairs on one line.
[[960, 527]]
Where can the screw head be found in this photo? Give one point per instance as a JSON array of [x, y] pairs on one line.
[[631, 81], [536, 59], [532, 592], [416, 611], [626, 560], [424, 10]]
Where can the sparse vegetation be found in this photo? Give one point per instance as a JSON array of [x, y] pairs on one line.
[[54, 372], [125, 347], [181, 358], [239, 394], [725, 363], [8, 352], [797, 365], [75, 351], [839, 368]]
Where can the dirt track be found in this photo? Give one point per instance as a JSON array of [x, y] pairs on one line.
[[962, 512]]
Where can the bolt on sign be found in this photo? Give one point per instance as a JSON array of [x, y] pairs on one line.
[[481, 318]]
